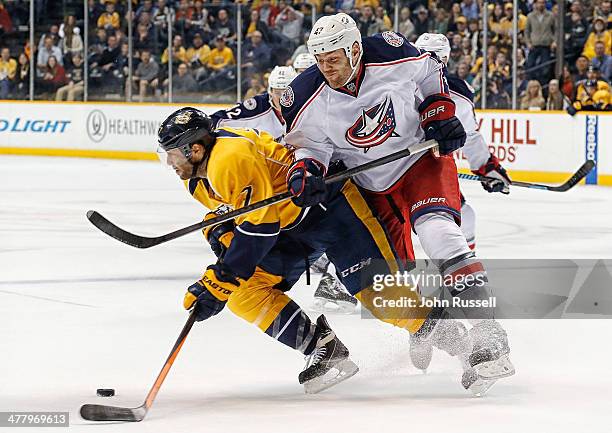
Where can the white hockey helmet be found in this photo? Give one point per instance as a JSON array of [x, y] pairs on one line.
[[304, 61], [280, 77], [334, 32], [435, 43]]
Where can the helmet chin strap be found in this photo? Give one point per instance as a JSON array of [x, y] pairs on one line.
[[271, 100], [353, 67]]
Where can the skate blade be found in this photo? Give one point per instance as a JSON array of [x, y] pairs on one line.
[[481, 387], [339, 373], [496, 369], [321, 305]]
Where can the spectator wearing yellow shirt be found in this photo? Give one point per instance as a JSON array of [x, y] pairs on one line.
[[221, 56], [505, 24], [500, 67], [599, 33], [496, 14], [461, 24], [8, 69], [197, 57], [381, 14], [255, 23], [491, 57], [361, 3], [179, 53], [256, 88], [221, 66], [109, 18]]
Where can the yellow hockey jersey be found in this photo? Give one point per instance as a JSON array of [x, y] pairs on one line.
[[244, 167]]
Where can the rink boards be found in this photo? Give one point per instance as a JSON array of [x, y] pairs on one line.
[[535, 146]]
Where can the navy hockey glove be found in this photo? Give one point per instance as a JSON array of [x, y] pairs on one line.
[[219, 236], [209, 295], [306, 182], [492, 168], [439, 122]]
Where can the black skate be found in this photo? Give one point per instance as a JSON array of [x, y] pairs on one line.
[[330, 297], [329, 362]]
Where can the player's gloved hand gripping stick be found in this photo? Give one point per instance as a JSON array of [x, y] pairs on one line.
[[146, 242]]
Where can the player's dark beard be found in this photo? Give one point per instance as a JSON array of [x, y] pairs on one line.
[[208, 144], [194, 168]]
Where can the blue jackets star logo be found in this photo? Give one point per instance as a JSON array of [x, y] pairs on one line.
[[374, 126]]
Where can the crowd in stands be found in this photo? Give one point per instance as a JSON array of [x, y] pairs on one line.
[[204, 47]]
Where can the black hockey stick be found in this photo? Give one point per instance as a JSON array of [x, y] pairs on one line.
[[99, 412], [568, 184], [146, 242]]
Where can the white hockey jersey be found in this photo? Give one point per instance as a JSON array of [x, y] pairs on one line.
[[374, 115], [256, 112], [475, 150]]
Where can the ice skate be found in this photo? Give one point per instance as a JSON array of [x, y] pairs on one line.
[[448, 335], [475, 384], [489, 360], [328, 364], [331, 298], [320, 265], [490, 354], [421, 352]]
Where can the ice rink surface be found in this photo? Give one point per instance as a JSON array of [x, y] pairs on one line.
[[80, 311]]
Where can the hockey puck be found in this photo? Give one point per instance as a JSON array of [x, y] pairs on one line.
[[105, 392]]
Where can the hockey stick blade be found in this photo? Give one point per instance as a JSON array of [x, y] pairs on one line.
[[565, 186], [146, 242], [577, 177], [98, 412]]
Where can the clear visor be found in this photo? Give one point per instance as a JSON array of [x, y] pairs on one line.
[[172, 158]]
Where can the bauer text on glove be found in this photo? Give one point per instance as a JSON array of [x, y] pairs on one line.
[[439, 122]]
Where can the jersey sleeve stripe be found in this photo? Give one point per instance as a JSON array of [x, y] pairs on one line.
[[248, 233], [298, 220], [312, 98], [395, 62]]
